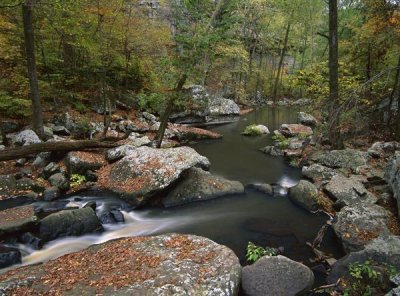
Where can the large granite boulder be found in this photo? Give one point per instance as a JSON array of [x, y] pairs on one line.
[[294, 130], [26, 137], [306, 119], [162, 265], [392, 176], [146, 171], [347, 158], [218, 106], [276, 275], [318, 173], [358, 224], [198, 185], [305, 195], [81, 162], [382, 250], [347, 191], [69, 223], [17, 219]]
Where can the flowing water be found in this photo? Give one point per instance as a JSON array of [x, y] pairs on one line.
[[232, 220]]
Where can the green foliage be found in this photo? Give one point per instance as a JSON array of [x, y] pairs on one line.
[[253, 252], [252, 130], [153, 102], [281, 140], [77, 180], [14, 107], [365, 278]]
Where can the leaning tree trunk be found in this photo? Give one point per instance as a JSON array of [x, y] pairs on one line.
[[283, 52], [31, 65], [333, 75]]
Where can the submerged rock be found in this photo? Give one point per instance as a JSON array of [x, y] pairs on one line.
[[168, 264], [358, 224], [347, 191], [69, 223], [276, 275], [198, 185], [305, 195], [146, 171]]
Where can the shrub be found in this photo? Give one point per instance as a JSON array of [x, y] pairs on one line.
[[14, 107], [153, 102], [252, 130], [254, 252], [281, 140], [77, 180]]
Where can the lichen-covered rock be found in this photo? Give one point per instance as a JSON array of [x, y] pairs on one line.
[[255, 130], [347, 191], [26, 137], [347, 158], [221, 106], [80, 162], [358, 224], [69, 223], [60, 181], [164, 265], [17, 219], [292, 130], [306, 119], [198, 185], [305, 195], [392, 176], [276, 275], [382, 250], [317, 172], [146, 171]]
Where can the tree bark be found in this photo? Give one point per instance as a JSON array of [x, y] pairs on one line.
[[31, 66], [333, 75], [283, 52], [392, 94]]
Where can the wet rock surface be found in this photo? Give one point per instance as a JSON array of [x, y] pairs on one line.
[[168, 264], [305, 195], [198, 185], [276, 275]]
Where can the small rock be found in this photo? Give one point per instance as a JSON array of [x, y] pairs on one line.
[[91, 176], [272, 150], [50, 169], [317, 172], [60, 181], [91, 204], [276, 275], [306, 119], [51, 193], [292, 130], [20, 162], [60, 130], [81, 162], [31, 240], [42, 159]]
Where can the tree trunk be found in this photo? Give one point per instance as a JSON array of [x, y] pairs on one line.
[[333, 75], [283, 52], [31, 66], [392, 94], [168, 110]]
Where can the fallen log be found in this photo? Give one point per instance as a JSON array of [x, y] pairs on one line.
[[63, 146]]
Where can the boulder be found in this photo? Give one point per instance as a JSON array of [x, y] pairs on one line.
[[111, 217], [218, 106], [51, 193], [305, 195], [50, 169], [145, 171], [380, 149], [31, 240], [185, 133], [80, 162], [119, 152], [256, 130], [347, 191], [306, 119], [28, 184], [8, 183], [276, 275], [318, 173], [358, 224], [26, 137], [17, 219], [69, 223], [149, 117], [199, 185], [169, 264], [382, 250], [347, 158], [60, 181], [392, 176], [292, 130], [9, 256]]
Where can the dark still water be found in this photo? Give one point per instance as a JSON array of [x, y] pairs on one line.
[[232, 220]]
